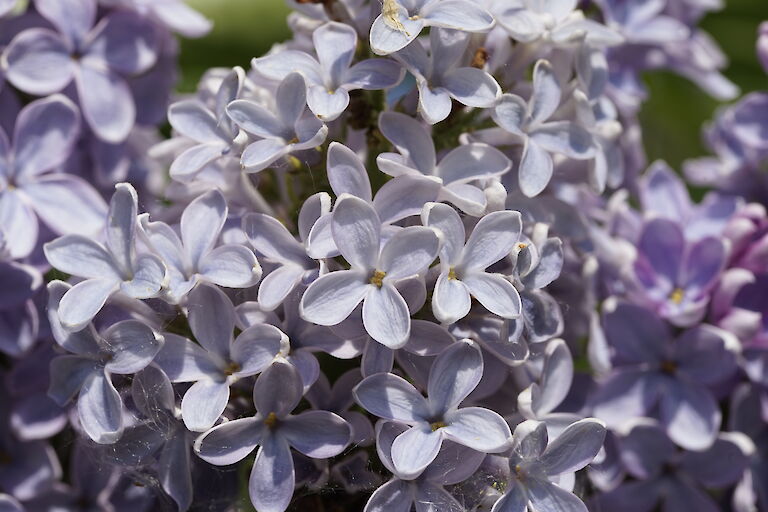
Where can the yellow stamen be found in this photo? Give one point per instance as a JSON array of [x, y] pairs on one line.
[[677, 295], [271, 420], [668, 367], [232, 368], [436, 425], [522, 246], [378, 278], [452, 273]]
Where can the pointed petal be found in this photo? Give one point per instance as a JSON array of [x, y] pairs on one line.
[[453, 376]]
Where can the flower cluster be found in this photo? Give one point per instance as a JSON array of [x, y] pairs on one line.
[[411, 258]]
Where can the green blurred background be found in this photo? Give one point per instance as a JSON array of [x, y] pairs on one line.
[[672, 118]]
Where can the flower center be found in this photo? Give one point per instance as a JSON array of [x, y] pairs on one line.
[[271, 420], [669, 367], [232, 368], [437, 425], [677, 295], [452, 273], [522, 246], [377, 278]]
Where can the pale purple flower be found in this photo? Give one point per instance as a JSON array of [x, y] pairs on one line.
[[540, 400], [174, 14], [393, 31], [539, 262], [374, 271], [29, 468], [289, 128], [426, 490], [194, 256], [441, 76], [453, 376], [529, 122], [6, 6], [219, 360], [675, 276], [675, 478], [316, 434], [331, 76], [416, 156], [652, 371], [463, 263], [338, 399], [292, 265], [96, 56], [124, 348], [762, 45], [664, 194], [9, 503], [45, 134], [539, 469], [643, 22], [116, 268], [210, 129], [554, 22], [396, 200]]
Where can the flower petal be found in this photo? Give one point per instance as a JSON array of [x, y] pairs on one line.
[[575, 447], [492, 239], [386, 317], [415, 449], [453, 376], [230, 442], [332, 298], [495, 293], [391, 397], [272, 478], [317, 434], [203, 404], [100, 409], [38, 62], [478, 428], [356, 230]]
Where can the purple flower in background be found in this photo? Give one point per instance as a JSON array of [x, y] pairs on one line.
[[374, 271], [316, 434], [45, 134], [338, 399], [219, 360], [673, 276], [6, 6], [331, 76], [664, 194], [762, 45], [97, 56], [416, 156], [401, 21], [538, 470], [8, 503], [653, 371], [529, 123], [440, 77], [124, 348], [106, 270], [643, 22], [213, 134], [673, 477], [426, 490], [453, 376], [194, 257], [463, 264], [174, 14], [289, 128]]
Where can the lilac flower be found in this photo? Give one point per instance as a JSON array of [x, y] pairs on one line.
[[174, 14], [401, 21], [373, 273], [396, 200], [651, 369], [674, 478], [6, 6], [281, 133], [537, 466], [106, 270], [416, 157], [331, 76], [29, 468], [453, 376], [762, 45], [539, 262], [8, 503], [540, 399], [96, 56], [664, 194], [673, 276], [45, 134], [463, 265], [529, 123], [317, 434], [425, 490], [293, 266], [220, 360], [643, 22], [124, 348], [194, 257], [212, 130], [441, 78], [170, 442]]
